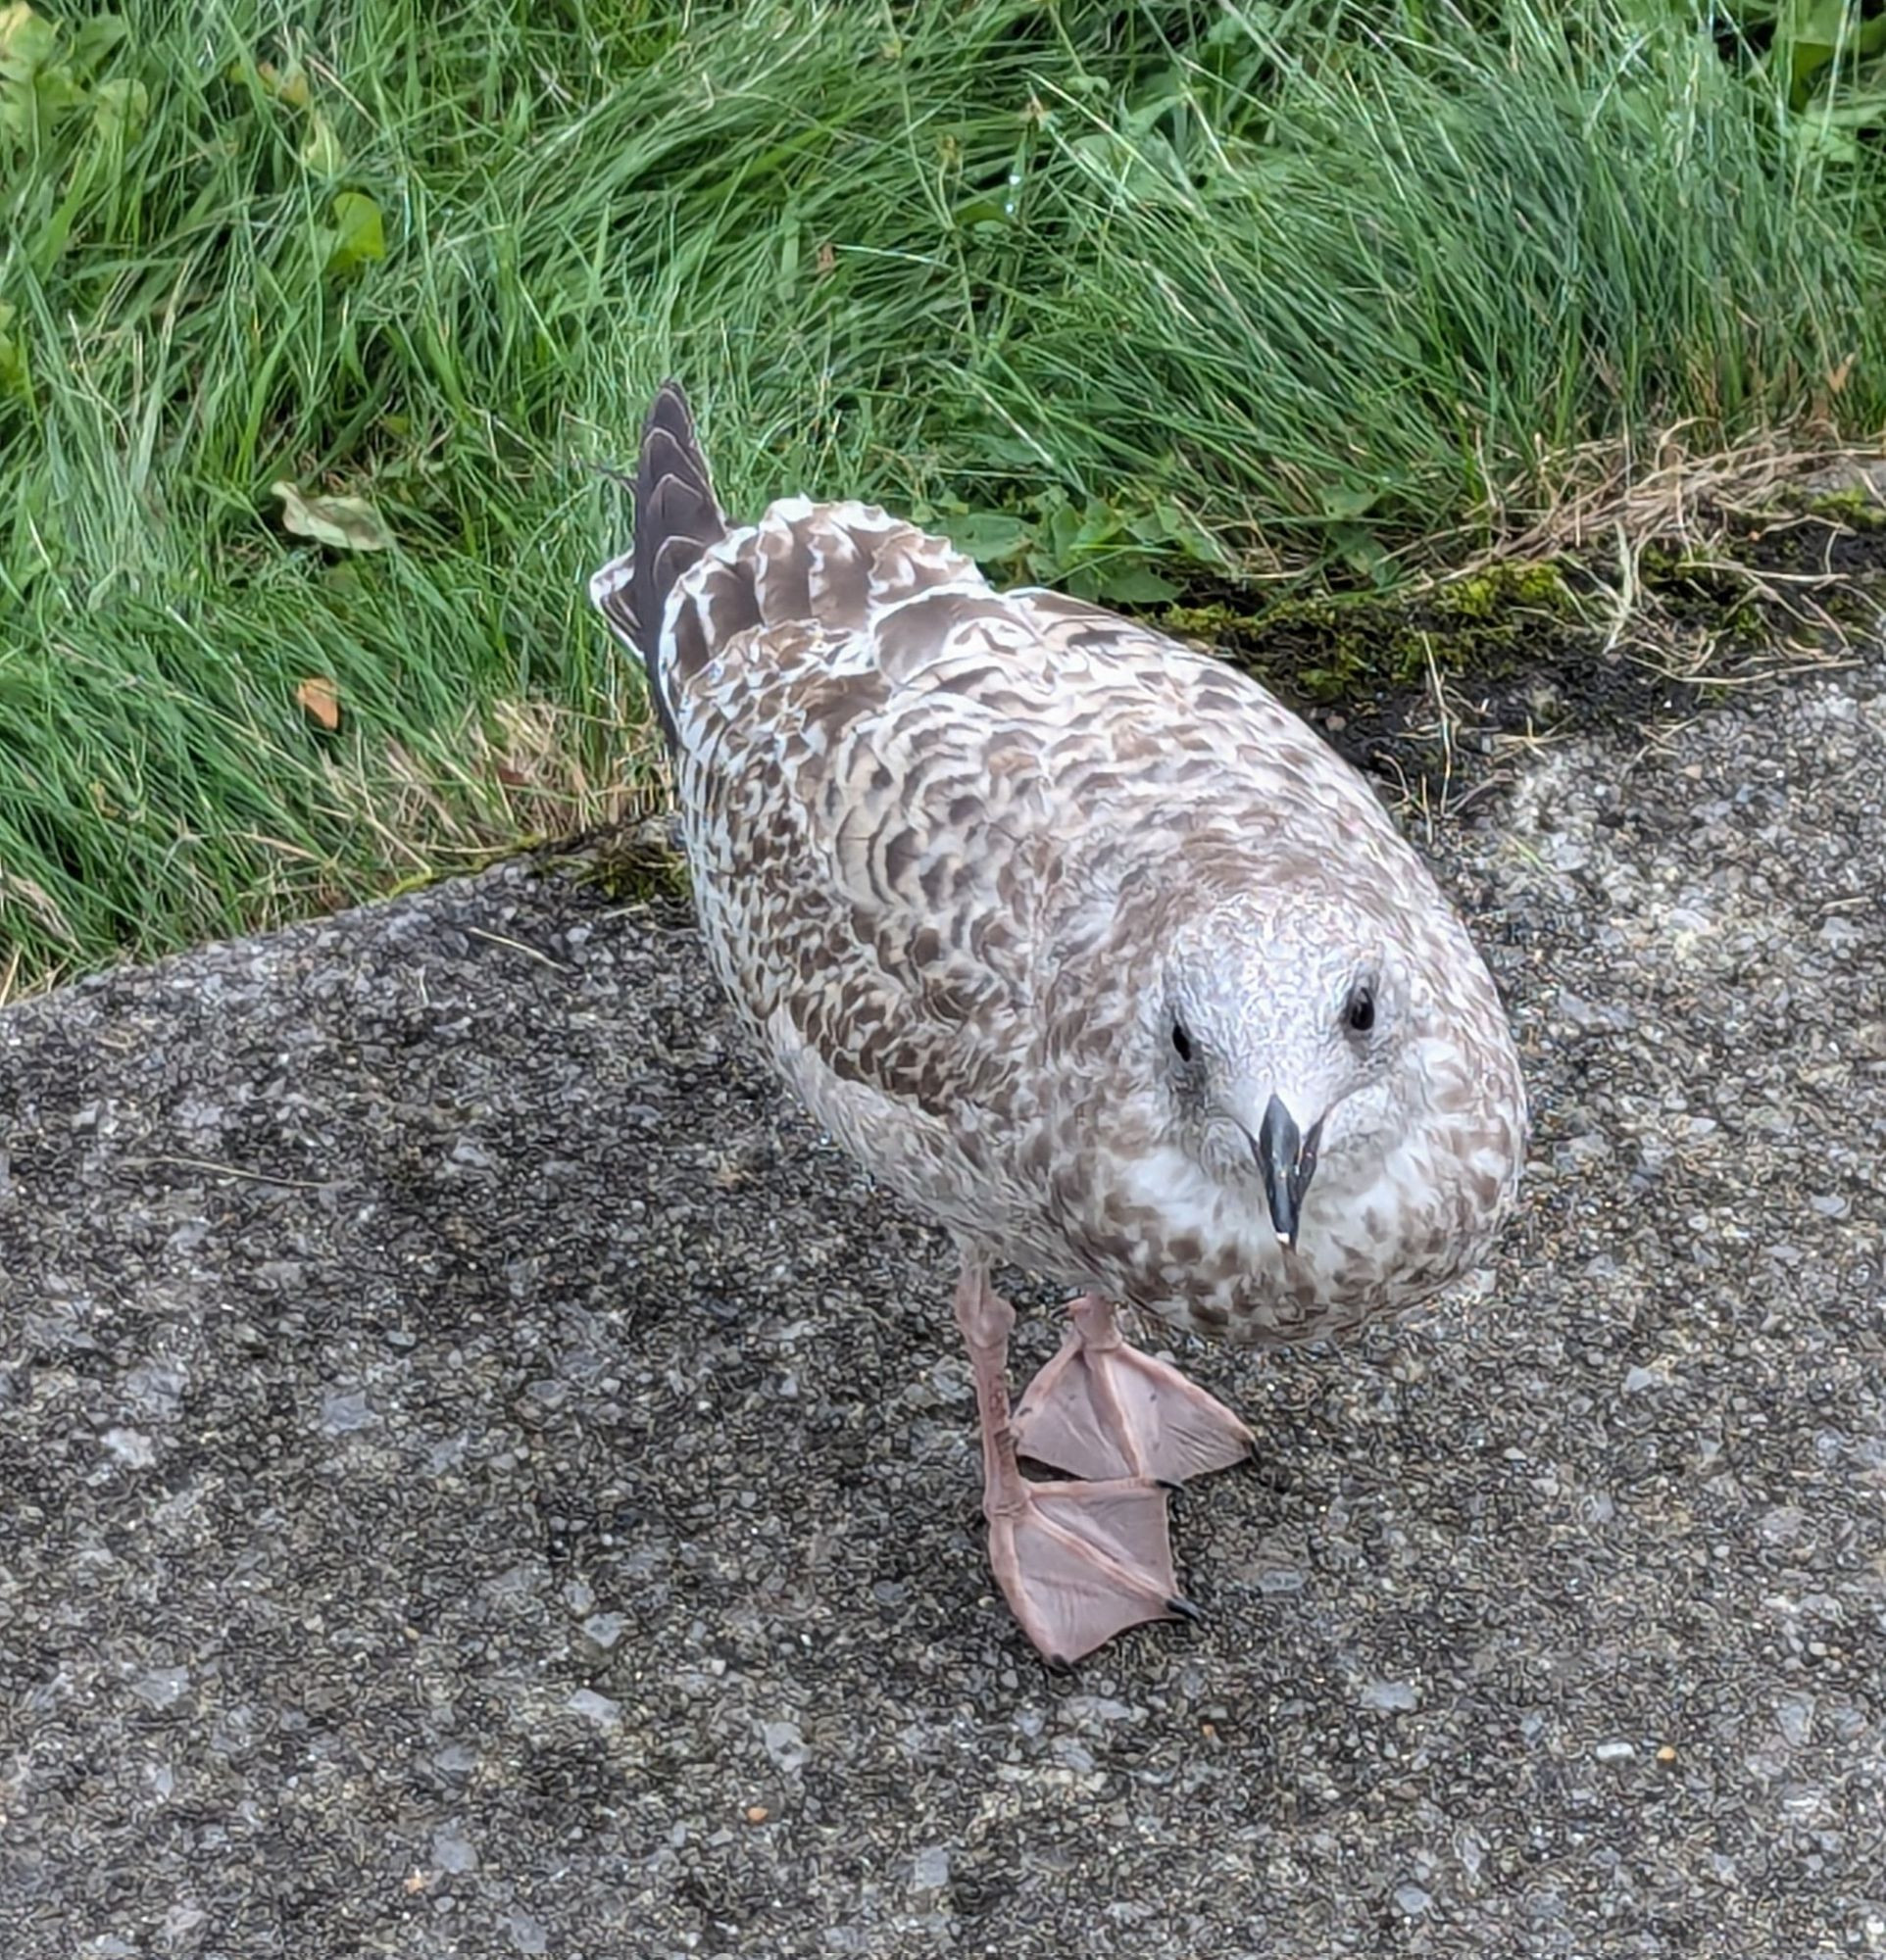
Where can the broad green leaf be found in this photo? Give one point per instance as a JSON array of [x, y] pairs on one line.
[[1348, 501], [983, 210], [1817, 22], [988, 536], [13, 356], [1131, 584], [1821, 135], [1165, 523], [1815, 31], [1360, 549], [320, 149], [26, 41], [1245, 26], [359, 238], [289, 84], [1847, 110], [118, 109], [34, 87], [96, 38], [1064, 532], [1143, 171], [347, 524]]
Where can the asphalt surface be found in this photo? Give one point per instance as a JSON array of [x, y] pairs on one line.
[[479, 1478]]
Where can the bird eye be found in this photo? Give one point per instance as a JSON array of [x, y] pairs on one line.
[[1359, 1010], [1181, 1041]]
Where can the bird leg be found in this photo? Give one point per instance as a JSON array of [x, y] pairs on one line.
[[1101, 1408], [1077, 1562]]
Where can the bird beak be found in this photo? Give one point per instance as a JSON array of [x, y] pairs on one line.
[[1287, 1160]]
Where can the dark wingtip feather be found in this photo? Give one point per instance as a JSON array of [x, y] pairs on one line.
[[676, 519]]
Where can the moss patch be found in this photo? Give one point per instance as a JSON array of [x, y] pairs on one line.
[[637, 863], [1538, 648], [1329, 649], [1859, 510]]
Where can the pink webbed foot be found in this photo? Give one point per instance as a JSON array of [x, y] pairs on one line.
[[1077, 1562], [1081, 1562], [1101, 1408]]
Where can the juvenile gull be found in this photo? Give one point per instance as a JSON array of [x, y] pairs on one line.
[[1086, 945]]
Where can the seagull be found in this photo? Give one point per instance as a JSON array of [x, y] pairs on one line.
[[1085, 945]]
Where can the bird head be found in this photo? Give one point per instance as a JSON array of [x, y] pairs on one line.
[[1287, 1033]]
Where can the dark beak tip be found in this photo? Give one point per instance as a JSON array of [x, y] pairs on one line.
[[1287, 1159]]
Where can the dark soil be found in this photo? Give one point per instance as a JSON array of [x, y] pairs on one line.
[[1531, 649]]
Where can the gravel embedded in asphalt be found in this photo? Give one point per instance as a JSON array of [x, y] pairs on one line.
[[480, 1476]]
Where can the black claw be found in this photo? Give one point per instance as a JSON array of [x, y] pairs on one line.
[[1059, 1664], [1168, 1484], [1184, 1609]]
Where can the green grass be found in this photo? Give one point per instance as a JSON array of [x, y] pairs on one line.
[[1130, 297]]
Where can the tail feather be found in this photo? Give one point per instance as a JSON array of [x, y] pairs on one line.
[[677, 518]]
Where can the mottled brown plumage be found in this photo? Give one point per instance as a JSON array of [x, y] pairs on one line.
[[1083, 942]]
